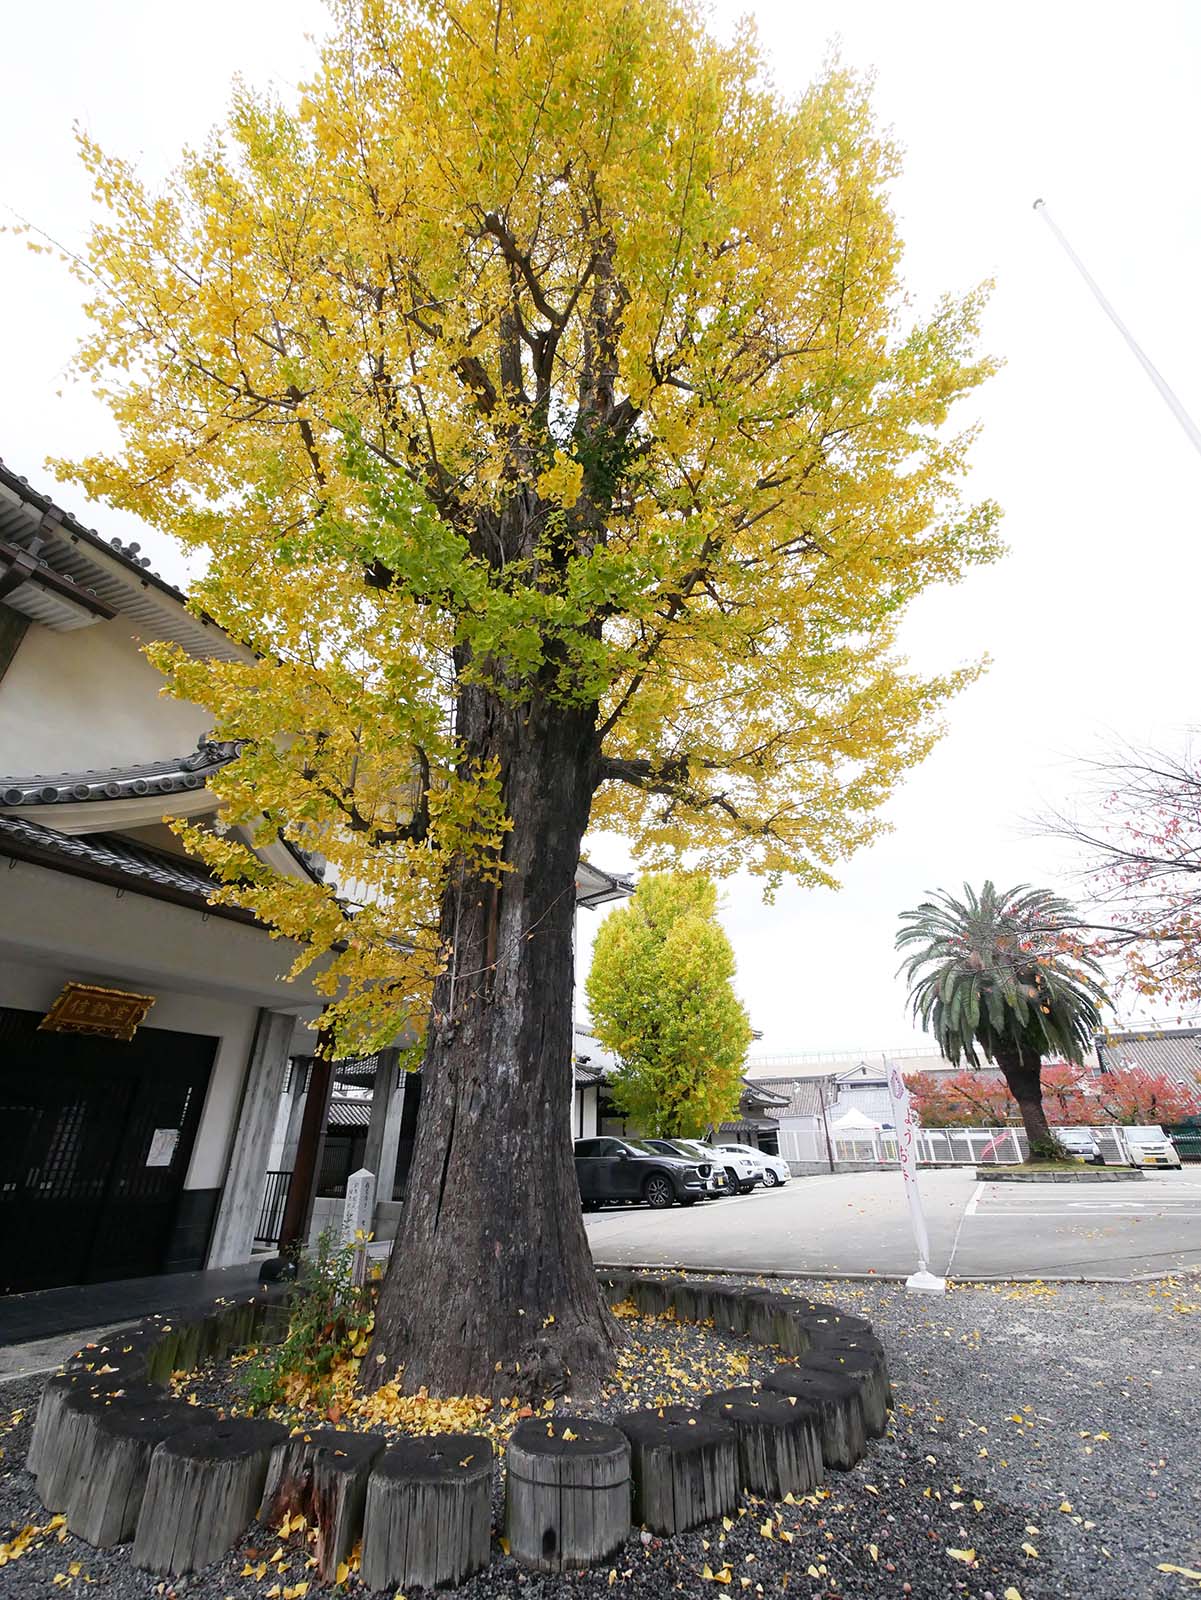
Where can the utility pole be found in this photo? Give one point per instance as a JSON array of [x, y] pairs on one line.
[[821, 1100], [1166, 393]]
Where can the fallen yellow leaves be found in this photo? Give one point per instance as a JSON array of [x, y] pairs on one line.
[[30, 1534], [1180, 1572], [421, 1412], [722, 1575], [966, 1556]]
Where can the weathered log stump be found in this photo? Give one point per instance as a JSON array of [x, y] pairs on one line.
[[202, 1492], [111, 1464], [734, 1309], [770, 1318], [779, 1439], [869, 1370], [239, 1319], [615, 1285], [694, 1302], [652, 1296], [684, 1466], [567, 1500], [45, 1424], [840, 1404], [123, 1359], [322, 1476], [163, 1345], [827, 1325], [69, 1406], [271, 1322], [428, 1519]]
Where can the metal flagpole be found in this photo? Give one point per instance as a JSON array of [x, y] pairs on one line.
[[923, 1281], [1165, 390]]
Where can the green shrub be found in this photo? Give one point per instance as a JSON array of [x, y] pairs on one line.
[[330, 1321]]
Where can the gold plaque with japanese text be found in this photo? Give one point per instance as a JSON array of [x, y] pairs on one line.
[[85, 1008]]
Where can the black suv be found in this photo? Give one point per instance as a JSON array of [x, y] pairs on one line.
[[629, 1169]]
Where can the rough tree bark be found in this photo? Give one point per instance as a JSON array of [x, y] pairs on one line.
[[491, 1288], [1022, 1071]]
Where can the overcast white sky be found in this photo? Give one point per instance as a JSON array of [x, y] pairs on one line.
[[1092, 620]]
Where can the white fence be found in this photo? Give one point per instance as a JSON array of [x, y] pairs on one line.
[[943, 1147]]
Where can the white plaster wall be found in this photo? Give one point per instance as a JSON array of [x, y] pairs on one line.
[[585, 1114], [88, 699], [96, 931], [28, 987]]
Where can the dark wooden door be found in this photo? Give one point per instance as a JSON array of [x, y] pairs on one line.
[[95, 1140]]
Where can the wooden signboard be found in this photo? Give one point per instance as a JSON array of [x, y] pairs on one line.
[[85, 1008]]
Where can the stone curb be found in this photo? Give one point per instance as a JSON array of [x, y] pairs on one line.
[[813, 1275], [1085, 1175]]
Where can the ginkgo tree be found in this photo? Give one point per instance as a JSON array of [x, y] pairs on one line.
[[661, 996], [541, 394]]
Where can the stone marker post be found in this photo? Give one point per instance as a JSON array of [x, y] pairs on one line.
[[358, 1214]]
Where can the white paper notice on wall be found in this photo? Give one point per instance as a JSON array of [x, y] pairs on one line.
[[162, 1147]]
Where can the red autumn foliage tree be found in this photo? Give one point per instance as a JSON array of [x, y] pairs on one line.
[[1138, 827], [1133, 1097], [967, 1100], [1073, 1097]]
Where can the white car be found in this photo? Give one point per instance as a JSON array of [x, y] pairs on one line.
[[742, 1167], [1150, 1147], [774, 1171]]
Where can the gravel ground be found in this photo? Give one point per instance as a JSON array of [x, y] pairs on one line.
[[1044, 1433]]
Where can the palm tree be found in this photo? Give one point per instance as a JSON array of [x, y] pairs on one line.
[[989, 975]]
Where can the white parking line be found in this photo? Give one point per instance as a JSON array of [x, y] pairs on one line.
[[1072, 1216]]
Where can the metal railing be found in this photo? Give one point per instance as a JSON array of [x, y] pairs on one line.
[[271, 1215], [936, 1147]]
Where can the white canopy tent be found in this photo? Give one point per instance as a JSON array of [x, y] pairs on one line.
[[855, 1121]]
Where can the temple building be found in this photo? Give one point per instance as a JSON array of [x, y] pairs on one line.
[[154, 1059]]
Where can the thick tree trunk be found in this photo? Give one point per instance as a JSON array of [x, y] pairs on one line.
[[491, 1287], [1022, 1071]]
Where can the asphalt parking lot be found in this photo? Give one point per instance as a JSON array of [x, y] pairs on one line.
[[858, 1223]]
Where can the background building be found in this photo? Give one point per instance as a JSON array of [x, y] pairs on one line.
[[121, 1158]]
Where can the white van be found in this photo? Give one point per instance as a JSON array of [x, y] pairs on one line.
[[1150, 1147]]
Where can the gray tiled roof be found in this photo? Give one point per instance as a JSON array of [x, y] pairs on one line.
[[111, 570], [1176, 1052], [113, 858], [170, 776], [349, 1114], [803, 1095], [758, 1093], [128, 554]]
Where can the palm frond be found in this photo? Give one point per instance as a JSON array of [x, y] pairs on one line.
[[990, 972]]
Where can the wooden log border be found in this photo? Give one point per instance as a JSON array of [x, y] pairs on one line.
[[836, 1350]]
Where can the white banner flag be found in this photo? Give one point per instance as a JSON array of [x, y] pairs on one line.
[[904, 1117]]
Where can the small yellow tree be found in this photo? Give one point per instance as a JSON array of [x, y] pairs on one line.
[[662, 999], [540, 392]]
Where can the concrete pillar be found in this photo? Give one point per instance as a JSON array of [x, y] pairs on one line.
[[383, 1132], [242, 1194], [301, 1067]]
